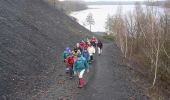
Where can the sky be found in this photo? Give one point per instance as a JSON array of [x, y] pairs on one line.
[[112, 0], [121, 0]]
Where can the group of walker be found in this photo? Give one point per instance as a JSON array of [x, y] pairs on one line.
[[78, 59]]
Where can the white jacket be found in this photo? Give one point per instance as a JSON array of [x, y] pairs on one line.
[[91, 50]]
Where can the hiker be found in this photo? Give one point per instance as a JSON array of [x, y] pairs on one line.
[[88, 41], [76, 51], [66, 53], [99, 47], [82, 44], [86, 45], [91, 51], [70, 61], [86, 54], [78, 46], [93, 41], [79, 67]]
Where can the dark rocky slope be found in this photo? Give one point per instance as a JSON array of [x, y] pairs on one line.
[[32, 38]]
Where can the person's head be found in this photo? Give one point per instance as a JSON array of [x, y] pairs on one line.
[[77, 44], [75, 49], [67, 49]]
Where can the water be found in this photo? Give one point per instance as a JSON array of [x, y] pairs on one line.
[[100, 14]]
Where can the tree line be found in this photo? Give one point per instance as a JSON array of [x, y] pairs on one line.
[[144, 35]]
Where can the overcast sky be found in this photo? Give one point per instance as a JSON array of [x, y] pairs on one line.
[[121, 0], [113, 0]]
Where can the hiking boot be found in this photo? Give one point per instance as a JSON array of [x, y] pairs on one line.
[[81, 83]]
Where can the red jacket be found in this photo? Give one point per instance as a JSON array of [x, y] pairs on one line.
[[93, 39], [70, 61], [86, 46], [82, 45]]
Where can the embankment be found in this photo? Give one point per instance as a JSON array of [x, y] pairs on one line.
[[32, 38]]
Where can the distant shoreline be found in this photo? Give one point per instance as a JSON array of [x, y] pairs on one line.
[[124, 3], [112, 3]]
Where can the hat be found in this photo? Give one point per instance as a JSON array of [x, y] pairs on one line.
[[67, 49]]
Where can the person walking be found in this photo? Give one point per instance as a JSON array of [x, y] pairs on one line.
[[82, 44], [91, 51], [99, 47], [66, 53], [93, 41], [86, 54], [79, 67], [70, 62], [75, 51]]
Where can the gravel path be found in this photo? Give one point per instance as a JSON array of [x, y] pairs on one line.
[[112, 79]]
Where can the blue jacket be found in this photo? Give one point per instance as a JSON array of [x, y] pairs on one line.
[[80, 64], [86, 55]]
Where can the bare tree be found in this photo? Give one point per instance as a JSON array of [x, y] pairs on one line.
[[109, 26], [129, 23], [144, 32], [90, 21]]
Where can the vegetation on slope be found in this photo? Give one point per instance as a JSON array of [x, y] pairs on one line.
[[143, 37]]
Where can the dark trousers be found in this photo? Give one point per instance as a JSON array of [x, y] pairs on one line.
[[71, 71], [93, 44], [91, 58]]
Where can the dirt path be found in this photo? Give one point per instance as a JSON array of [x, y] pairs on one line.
[[109, 79], [112, 80]]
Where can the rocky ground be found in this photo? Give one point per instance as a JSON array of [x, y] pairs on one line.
[[33, 36], [109, 79]]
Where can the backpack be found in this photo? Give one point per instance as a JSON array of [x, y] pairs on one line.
[[86, 55], [80, 63], [70, 60], [65, 55]]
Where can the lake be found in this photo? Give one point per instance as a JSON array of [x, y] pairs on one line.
[[100, 14]]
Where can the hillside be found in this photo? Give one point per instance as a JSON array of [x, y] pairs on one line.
[[33, 36]]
